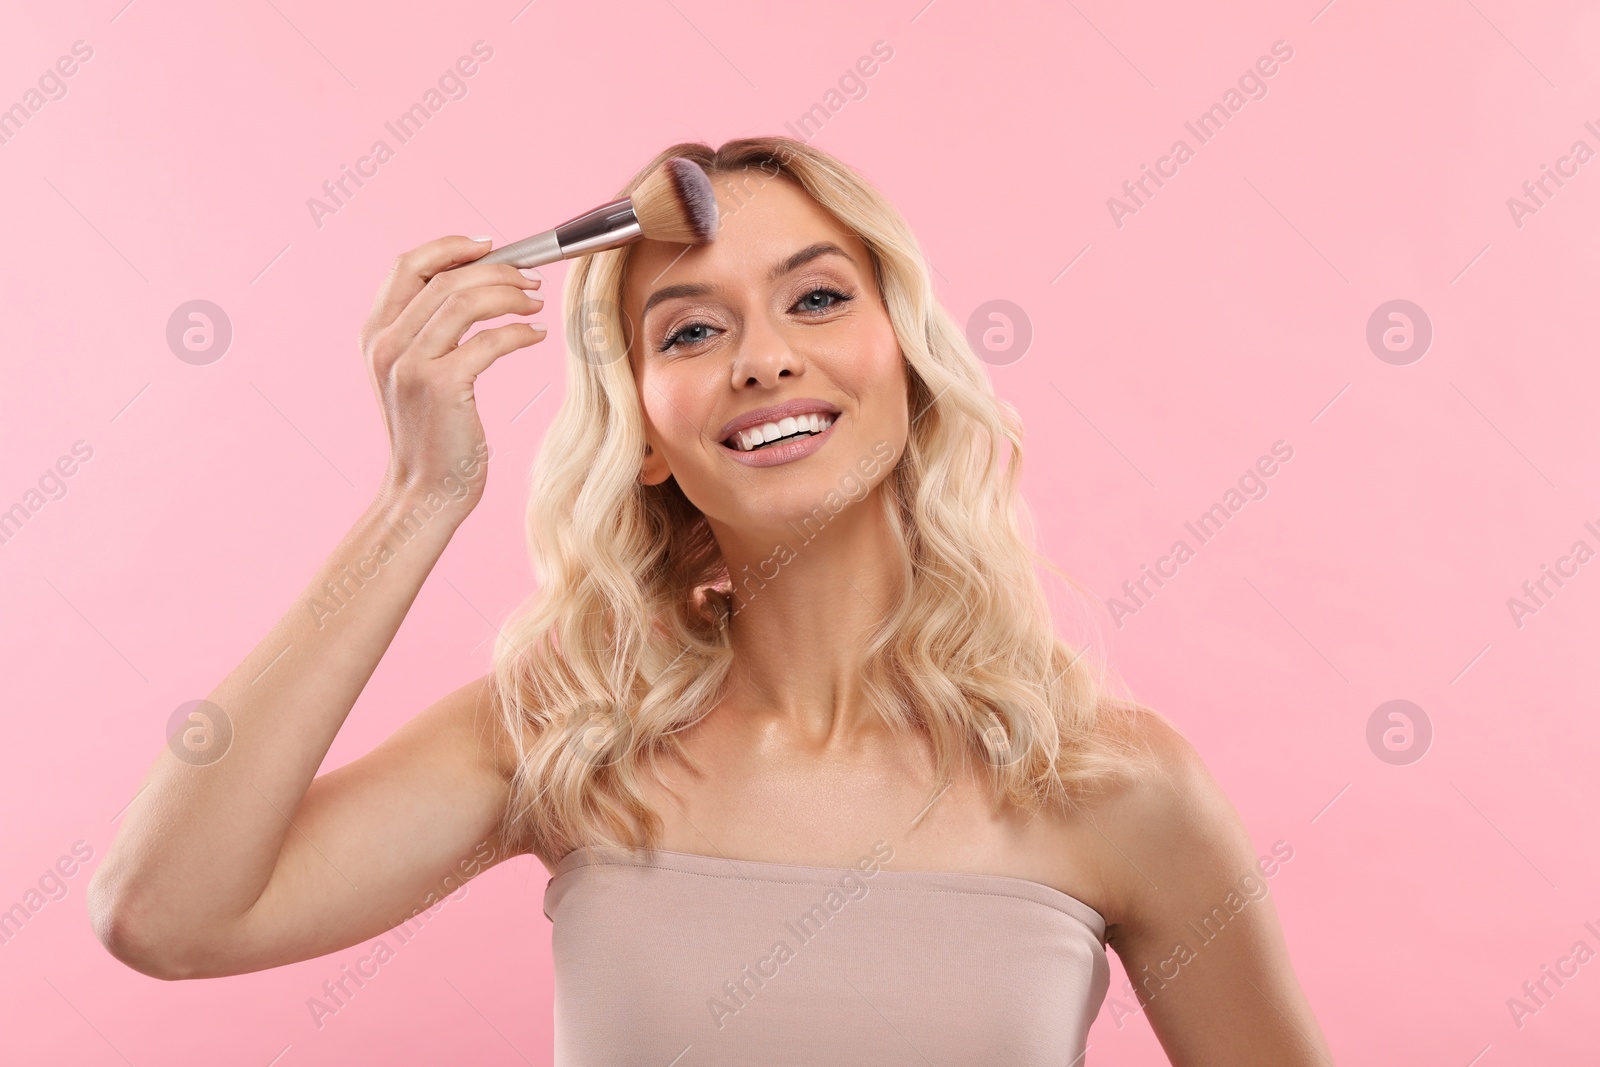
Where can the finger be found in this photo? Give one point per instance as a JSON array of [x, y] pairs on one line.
[[412, 270], [457, 289], [462, 308], [486, 346]]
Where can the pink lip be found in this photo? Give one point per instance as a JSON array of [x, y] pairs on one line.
[[801, 406], [787, 452]]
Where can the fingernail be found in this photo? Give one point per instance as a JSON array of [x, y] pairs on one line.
[[531, 274], [480, 239]]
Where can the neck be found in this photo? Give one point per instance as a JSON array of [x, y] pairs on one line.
[[806, 601]]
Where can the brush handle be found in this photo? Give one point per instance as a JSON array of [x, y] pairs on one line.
[[532, 251], [607, 226]]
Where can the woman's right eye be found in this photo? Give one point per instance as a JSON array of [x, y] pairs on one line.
[[673, 339]]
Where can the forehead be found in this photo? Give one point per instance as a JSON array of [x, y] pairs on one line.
[[763, 219]]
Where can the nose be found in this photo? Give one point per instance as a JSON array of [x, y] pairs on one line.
[[764, 355]]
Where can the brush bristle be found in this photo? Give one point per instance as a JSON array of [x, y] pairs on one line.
[[677, 204]]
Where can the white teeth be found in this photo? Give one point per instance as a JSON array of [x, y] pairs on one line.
[[755, 436]]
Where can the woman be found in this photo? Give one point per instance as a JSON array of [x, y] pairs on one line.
[[787, 721]]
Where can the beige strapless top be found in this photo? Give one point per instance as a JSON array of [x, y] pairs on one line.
[[674, 959]]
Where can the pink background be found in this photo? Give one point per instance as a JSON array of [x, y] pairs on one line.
[[1228, 313]]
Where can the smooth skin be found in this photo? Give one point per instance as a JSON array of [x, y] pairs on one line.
[[255, 860]]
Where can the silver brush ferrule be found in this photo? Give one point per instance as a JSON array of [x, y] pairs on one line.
[[607, 226]]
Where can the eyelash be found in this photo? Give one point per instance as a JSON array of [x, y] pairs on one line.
[[671, 341]]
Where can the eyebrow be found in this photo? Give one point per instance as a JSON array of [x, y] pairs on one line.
[[793, 263]]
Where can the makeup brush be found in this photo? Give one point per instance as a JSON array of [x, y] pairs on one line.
[[674, 204]]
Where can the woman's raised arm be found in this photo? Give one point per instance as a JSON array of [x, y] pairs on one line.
[[234, 855]]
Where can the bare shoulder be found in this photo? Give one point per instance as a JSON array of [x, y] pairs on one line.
[[1165, 826], [469, 725], [472, 720], [1192, 918]]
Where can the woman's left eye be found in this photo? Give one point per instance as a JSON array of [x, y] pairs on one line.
[[838, 297]]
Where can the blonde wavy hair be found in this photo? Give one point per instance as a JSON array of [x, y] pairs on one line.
[[625, 643]]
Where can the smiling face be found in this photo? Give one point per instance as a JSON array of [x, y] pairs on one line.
[[783, 306]]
